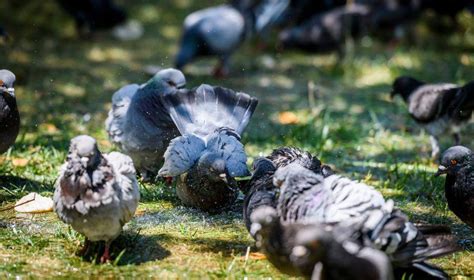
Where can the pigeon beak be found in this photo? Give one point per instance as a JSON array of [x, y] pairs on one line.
[[441, 170], [181, 86], [223, 177], [11, 91]]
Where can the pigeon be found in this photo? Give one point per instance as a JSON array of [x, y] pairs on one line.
[[9, 114], [458, 164], [260, 191], [438, 108], [306, 197], [96, 193], [316, 250], [327, 31], [215, 31], [208, 154], [139, 123]]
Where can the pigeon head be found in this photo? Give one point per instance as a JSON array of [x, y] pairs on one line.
[[311, 245], [453, 159], [292, 173], [404, 86], [263, 220], [85, 149], [212, 166], [7, 80], [167, 81], [261, 166]]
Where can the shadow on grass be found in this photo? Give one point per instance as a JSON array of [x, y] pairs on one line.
[[12, 187]]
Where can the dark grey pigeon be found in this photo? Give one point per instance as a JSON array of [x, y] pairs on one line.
[[9, 115], [315, 250], [209, 154], [327, 31], [260, 190], [438, 108], [96, 193], [306, 197], [140, 124], [458, 164]]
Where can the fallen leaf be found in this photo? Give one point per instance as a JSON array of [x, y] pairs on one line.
[[34, 203], [20, 162], [257, 256], [288, 118]]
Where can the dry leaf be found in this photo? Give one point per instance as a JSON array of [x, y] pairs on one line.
[[288, 118], [257, 256], [20, 162], [34, 203]]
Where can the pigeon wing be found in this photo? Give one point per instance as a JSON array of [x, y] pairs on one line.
[[181, 154], [425, 104]]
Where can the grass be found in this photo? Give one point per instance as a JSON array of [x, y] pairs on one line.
[[64, 88]]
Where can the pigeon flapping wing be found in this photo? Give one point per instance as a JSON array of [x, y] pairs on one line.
[[181, 154]]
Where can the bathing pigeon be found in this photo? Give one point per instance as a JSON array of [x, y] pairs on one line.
[[327, 31], [260, 189], [438, 108], [140, 124], [209, 154], [96, 193], [458, 164], [215, 31], [9, 115], [316, 250], [306, 197]]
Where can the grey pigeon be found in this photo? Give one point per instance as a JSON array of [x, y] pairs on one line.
[[306, 197], [458, 164], [327, 31], [9, 115], [215, 31], [260, 190], [438, 108], [316, 250], [140, 124], [96, 193], [209, 153]]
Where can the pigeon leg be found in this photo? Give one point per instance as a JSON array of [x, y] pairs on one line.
[[106, 256], [317, 272], [85, 248], [434, 147], [222, 69], [457, 138]]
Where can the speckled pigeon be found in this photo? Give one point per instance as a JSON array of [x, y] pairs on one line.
[[306, 197], [140, 124], [209, 153], [9, 115], [438, 108], [260, 190], [319, 251], [96, 193], [458, 164]]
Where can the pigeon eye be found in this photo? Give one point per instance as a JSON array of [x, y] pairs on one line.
[[454, 162], [171, 83]]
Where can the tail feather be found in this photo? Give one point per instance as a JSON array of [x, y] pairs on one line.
[[463, 102], [205, 109], [420, 270]]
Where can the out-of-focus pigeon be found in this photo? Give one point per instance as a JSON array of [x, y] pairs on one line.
[[96, 193], [438, 108], [215, 31], [140, 124], [315, 250], [260, 189], [92, 15], [458, 164], [9, 114], [209, 153], [327, 31], [306, 197]]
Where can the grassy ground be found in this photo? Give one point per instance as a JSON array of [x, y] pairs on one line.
[[64, 88]]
